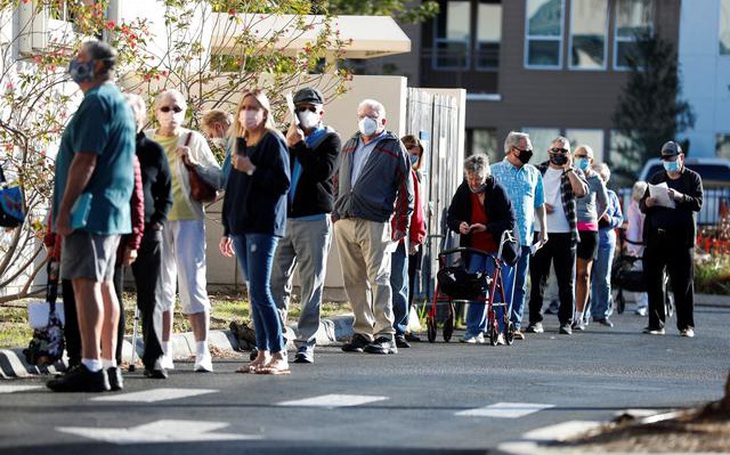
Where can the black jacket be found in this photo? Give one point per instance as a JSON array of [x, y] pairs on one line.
[[314, 192], [156, 180], [679, 223], [497, 207]]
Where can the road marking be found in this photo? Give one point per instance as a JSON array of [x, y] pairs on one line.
[[505, 410], [334, 401], [159, 431], [561, 431], [153, 395], [18, 388]]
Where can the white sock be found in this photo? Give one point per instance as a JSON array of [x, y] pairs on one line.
[[106, 363], [578, 316], [92, 365], [165, 347], [201, 347]]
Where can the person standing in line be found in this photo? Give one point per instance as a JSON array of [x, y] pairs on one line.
[[670, 233], [93, 187], [522, 183], [314, 149], [404, 252], [601, 300], [215, 125], [634, 241], [157, 185], [254, 219], [183, 251], [562, 184], [589, 209], [373, 181]]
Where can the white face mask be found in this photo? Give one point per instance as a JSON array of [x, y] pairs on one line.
[[251, 119], [308, 119], [367, 126]]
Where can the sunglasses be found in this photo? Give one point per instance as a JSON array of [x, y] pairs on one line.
[[174, 109], [306, 108], [557, 150]]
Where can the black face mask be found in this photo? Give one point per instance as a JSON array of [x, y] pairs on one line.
[[524, 156], [558, 159]]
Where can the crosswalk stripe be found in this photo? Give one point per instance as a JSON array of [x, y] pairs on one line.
[[334, 401], [505, 410], [154, 395], [18, 388]]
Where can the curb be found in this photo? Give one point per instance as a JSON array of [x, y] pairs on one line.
[[331, 331]]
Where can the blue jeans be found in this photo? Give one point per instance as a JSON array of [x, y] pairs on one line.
[[255, 254], [399, 283], [519, 271], [601, 301], [476, 315]]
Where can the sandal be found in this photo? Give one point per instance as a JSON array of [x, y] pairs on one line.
[[252, 367], [277, 368]]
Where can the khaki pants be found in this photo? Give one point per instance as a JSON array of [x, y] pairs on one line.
[[366, 271]]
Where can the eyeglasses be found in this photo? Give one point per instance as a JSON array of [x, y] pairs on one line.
[[306, 108], [581, 156], [175, 109], [558, 150], [521, 150]]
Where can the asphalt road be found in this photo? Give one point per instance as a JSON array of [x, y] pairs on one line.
[[433, 398]]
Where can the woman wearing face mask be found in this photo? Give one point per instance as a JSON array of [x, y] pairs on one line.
[[589, 209], [480, 211], [215, 124], [183, 252], [254, 218]]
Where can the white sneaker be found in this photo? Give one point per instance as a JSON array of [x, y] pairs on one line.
[[688, 332], [501, 340], [203, 363], [641, 311], [166, 362], [473, 339]]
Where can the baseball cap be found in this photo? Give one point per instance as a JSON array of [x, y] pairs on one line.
[[308, 95], [670, 149]]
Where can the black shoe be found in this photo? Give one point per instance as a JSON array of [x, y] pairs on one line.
[[80, 380], [254, 353], [565, 329], [402, 342], [155, 373], [413, 338], [604, 321], [116, 382], [382, 345], [357, 344]]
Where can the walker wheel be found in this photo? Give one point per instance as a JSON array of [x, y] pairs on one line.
[[448, 328], [509, 336], [620, 303], [493, 335], [431, 329]]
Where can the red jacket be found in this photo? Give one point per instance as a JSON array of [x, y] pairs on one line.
[[417, 228]]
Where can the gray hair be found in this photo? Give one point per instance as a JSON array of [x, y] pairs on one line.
[[375, 105], [104, 52], [603, 171], [563, 140], [173, 94], [513, 140], [478, 163], [139, 109]]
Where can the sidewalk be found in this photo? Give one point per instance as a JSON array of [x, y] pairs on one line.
[[13, 365]]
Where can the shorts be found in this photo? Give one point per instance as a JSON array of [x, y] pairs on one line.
[[87, 255], [588, 245]]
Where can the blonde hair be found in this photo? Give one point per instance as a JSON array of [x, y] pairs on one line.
[[237, 130], [215, 116], [412, 141]]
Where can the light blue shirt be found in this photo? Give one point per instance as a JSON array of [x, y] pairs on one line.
[[524, 188], [361, 154]]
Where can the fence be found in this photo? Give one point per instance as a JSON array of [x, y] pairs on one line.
[[714, 207]]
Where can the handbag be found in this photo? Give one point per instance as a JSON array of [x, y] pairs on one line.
[[47, 345], [200, 190]]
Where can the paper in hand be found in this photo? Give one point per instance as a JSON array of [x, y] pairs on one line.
[[292, 110], [660, 193]]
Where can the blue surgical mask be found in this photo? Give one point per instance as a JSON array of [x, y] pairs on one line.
[[414, 159], [583, 164], [671, 166], [81, 72]]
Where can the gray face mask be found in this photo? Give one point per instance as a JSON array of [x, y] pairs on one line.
[[480, 189]]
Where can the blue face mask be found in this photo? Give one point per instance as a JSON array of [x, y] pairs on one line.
[[414, 159], [671, 166], [81, 72], [583, 164]]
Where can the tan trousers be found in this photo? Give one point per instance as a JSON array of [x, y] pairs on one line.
[[366, 271]]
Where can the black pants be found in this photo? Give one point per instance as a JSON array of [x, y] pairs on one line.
[[146, 271], [668, 252], [560, 250]]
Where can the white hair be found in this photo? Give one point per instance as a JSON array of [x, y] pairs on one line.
[[375, 105], [513, 140]]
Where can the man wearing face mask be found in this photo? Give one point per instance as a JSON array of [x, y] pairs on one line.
[[669, 236], [372, 184], [562, 184], [523, 184], [313, 152]]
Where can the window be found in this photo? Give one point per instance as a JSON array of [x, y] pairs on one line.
[[451, 51], [724, 36], [592, 138], [722, 146], [633, 19], [485, 141], [541, 139], [489, 36], [588, 30], [543, 44]]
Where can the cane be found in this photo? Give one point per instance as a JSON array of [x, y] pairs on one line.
[[132, 365]]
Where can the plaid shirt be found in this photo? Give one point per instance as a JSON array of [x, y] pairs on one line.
[[567, 197]]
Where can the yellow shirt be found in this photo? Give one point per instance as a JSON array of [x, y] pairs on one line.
[[181, 209]]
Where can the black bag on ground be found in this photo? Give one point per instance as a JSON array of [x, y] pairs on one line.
[[47, 345], [459, 284]]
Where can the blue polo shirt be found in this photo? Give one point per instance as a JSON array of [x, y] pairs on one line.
[[104, 125], [524, 188]]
